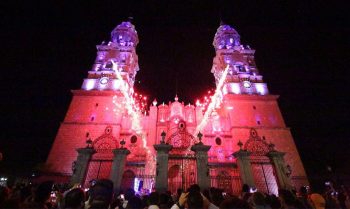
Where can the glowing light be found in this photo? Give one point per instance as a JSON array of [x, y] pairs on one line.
[[89, 84], [154, 102], [232, 88], [137, 182], [205, 101], [260, 88]]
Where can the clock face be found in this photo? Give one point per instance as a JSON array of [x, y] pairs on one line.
[[104, 80], [246, 84]]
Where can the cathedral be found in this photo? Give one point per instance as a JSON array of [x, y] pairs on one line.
[[239, 138]]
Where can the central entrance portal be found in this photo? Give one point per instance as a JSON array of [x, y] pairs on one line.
[[264, 177], [98, 169], [182, 172]]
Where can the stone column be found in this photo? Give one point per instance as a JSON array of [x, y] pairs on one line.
[[245, 168], [81, 165], [118, 167], [280, 169], [162, 166], [201, 151]]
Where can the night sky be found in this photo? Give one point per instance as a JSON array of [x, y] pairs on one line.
[[302, 50]]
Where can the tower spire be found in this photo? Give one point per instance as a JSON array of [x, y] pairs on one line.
[[243, 76], [221, 22], [120, 50]]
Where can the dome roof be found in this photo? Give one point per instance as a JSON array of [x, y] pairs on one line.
[[125, 35], [226, 37]]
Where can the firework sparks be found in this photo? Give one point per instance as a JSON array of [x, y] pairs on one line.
[[204, 102], [215, 101], [134, 111]]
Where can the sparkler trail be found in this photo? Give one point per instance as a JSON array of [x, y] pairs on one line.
[[215, 101], [135, 115]]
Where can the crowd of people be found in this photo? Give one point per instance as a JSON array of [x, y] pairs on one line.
[[101, 195]]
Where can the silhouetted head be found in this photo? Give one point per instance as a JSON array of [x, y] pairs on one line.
[[274, 202], [43, 191], [245, 188], [164, 198], [179, 192], [135, 203], [129, 193], [234, 202], [194, 187], [259, 198], [287, 196], [216, 196], [101, 193], [74, 198], [194, 200], [154, 198]]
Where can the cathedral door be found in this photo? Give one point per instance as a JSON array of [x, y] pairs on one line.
[[101, 162], [263, 170], [225, 182], [182, 173], [225, 178], [128, 180], [264, 176], [97, 169]]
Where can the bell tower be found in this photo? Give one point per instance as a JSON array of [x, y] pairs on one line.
[[243, 76], [99, 104], [248, 105], [121, 50]]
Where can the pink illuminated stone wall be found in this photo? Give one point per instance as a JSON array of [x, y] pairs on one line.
[[237, 116]]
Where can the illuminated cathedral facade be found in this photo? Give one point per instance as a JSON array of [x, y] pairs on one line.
[[243, 139]]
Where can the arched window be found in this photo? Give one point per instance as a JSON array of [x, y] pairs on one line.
[[218, 141], [133, 139]]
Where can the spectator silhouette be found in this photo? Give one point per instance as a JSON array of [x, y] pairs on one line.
[[101, 194], [74, 199]]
